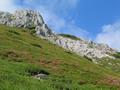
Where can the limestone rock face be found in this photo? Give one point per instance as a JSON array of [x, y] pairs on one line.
[[34, 21], [26, 19], [85, 48]]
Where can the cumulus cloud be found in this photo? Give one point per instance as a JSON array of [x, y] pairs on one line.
[[61, 25], [110, 35], [51, 13], [75, 30], [7, 5], [54, 20], [52, 4]]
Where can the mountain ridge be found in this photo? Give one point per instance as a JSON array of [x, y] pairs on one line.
[[33, 20]]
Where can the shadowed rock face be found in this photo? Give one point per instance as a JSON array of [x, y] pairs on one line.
[[33, 20]]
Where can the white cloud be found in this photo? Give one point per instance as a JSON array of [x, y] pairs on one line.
[[7, 5], [72, 3], [55, 21], [110, 35], [77, 31], [52, 4], [61, 25]]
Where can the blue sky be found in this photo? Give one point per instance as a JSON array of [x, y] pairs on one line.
[[98, 20]]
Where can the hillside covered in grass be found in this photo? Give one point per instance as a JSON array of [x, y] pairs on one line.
[[23, 55]]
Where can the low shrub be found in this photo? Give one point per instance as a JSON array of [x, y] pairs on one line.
[[37, 45], [14, 32]]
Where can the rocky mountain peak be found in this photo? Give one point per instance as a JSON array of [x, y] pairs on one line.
[[29, 16], [27, 19], [33, 21]]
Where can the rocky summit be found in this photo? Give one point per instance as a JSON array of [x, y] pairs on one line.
[[33, 21], [26, 19]]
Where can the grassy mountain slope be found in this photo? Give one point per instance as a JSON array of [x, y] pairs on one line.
[[111, 64], [22, 54]]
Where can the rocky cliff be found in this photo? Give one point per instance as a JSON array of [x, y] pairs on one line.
[[34, 21], [26, 19]]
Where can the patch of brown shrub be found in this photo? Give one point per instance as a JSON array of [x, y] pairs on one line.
[[17, 56], [109, 80]]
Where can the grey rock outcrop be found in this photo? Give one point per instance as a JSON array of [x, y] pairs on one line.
[[26, 19], [33, 20], [86, 48]]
